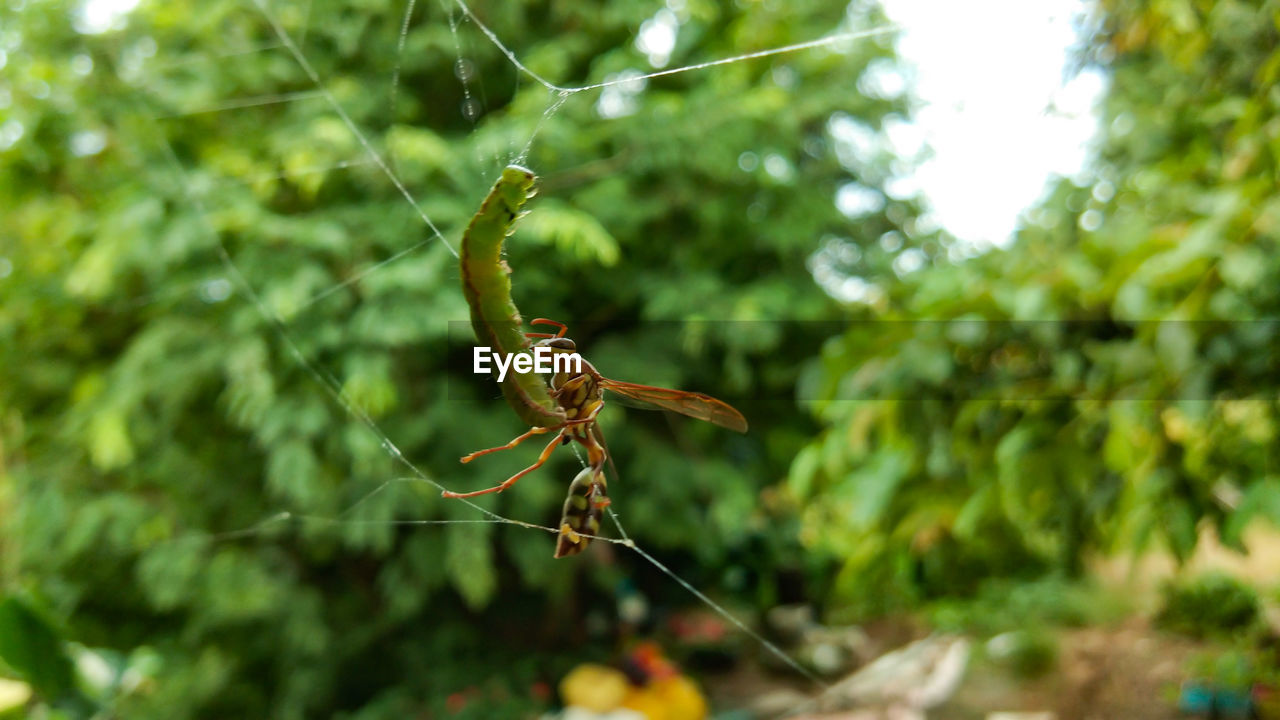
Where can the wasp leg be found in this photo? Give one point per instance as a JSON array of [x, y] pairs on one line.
[[532, 431], [546, 455], [597, 453]]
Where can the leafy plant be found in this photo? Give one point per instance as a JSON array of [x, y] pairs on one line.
[[1213, 604], [32, 648], [175, 470], [1107, 381], [65, 678], [1028, 653], [1003, 605]]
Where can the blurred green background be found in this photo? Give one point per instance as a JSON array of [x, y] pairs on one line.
[[192, 526]]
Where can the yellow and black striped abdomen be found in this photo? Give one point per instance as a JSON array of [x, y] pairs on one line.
[[583, 508]]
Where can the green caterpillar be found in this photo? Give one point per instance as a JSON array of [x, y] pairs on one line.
[[486, 283]]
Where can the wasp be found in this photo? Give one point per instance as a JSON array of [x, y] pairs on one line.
[[579, 393]]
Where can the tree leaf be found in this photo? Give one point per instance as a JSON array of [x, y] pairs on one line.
[[30, 645]]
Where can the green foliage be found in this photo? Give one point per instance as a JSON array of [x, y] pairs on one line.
[[173, 460], [1003, 605], [1027, 653], [1238, 668], [32, 648], [1213, 604], [65, 679], [171, 468], [1105, 382]]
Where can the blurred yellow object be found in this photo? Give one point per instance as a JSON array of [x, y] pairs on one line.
[[594, 687], [665, 694], [668, 698], [13, 694]]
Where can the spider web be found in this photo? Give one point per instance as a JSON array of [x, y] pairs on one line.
[[293, 43]]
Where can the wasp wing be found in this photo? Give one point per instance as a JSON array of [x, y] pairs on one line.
[[598, 434], [695, 405]]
